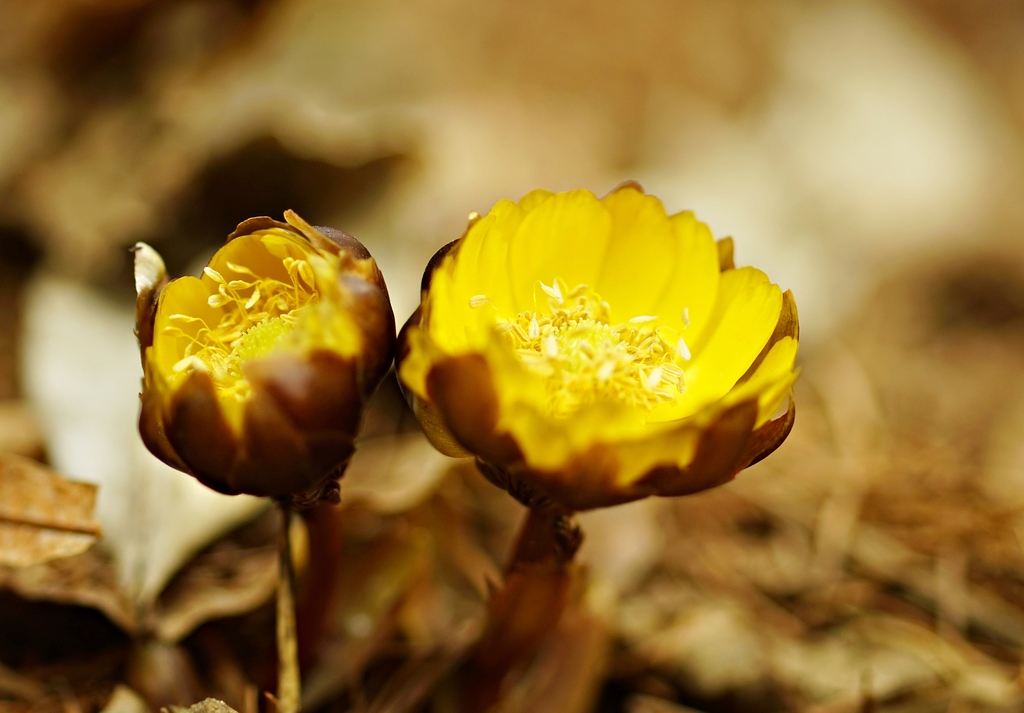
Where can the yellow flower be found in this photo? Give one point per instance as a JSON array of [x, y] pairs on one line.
[[256, 375], [593, 352]]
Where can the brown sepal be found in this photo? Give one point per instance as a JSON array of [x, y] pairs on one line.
[[462, 389], [627, 185], [434, 263], [150, 279], [274, 459], [340, 240], [316, 392], [589, 481], [153, 431], [145, 319], [584, 483], [788, 325], [725, 254], [436, 430], [434, 427], [371, 309], [333, 240], [518, 487], [253, 225], [320, 399], [770, 436], [721, 454], [197, 431]]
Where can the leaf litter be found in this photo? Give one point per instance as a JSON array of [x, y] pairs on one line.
[[875, 558], [873, 563], [42, 515]]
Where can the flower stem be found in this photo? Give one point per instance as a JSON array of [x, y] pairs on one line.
[[527, 607], [548, 539], [288, 681]]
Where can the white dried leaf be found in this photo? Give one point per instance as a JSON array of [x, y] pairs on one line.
[[82, 373]]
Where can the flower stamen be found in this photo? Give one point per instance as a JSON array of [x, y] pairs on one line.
[[683, 350], [554, 292], [585, 358], [256, 313]]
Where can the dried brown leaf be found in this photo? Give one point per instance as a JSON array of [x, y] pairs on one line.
[[216, 584], [20, 687], [125, 700], [210, 705], [226, 580], [377, 577], [19, 430], [393, 473], [164, 674], [650, 704], [408, 687], [568, 671], [88, 579], [43, 516]]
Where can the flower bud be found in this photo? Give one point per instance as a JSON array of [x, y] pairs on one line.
[[256, 375]]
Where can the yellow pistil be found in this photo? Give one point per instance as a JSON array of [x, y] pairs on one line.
[[586, 358], [257, 314]]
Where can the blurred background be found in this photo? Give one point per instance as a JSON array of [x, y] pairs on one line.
[[867, 154]]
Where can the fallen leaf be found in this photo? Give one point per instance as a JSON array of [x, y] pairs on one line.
[[223, 582], [234, 576], [125, 700], [19, 430], [391, 474], [622, 544], [210, 705], [82, 373], [42, 515], [164, 674], [377, 575], [651, 704], [21, 687], [88, 579], [569, 670]]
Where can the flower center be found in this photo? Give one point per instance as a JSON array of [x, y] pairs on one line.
[[585, 358], [257, 315]]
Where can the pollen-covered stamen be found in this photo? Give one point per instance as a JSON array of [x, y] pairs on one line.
[[586, 358], [683, 350], [256, 313], [554, 292]]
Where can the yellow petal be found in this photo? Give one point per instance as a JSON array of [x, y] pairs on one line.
[[449, 316], [548, 443], [422, 354], [533, 199], [260, 252], [482, 265], [184, 297], [545, 441], [745, 315], [642, 254], [689, 296], [770, 382], [564, 237]]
